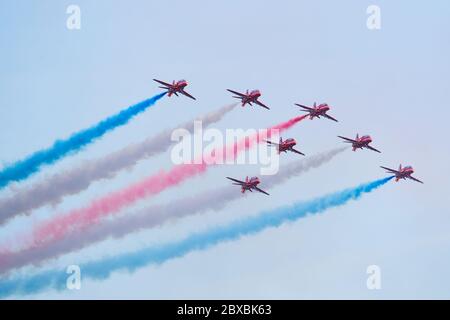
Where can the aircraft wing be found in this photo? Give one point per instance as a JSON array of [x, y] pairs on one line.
[[330, 117], [262, 105], [162, 82], [390, 170], [272, 143], [417, 180], [187, 94], [296, 151], [304, 107], [262, 191], [235, 92], [347, 139], [373, 149], [235, 180]]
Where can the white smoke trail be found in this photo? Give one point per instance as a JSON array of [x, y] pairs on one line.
[[52, 189], [103, 268], [154, 216]]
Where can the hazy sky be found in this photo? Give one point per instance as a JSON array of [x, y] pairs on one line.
[[392, 83]]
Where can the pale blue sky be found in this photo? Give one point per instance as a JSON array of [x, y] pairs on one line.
[[391, 83]]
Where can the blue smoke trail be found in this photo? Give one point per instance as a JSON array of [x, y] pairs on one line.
[[103, 268], [22, 169]]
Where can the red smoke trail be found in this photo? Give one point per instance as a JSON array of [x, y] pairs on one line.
[[110, 204], [248, 142]]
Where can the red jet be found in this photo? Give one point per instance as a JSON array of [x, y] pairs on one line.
[[175, 87], [402, 173], [317, 111], [249, 97], [248, 184], [360, 143], [285, 146]]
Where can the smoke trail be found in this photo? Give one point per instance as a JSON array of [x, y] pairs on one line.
[[112, 203], [54, 188], [103, 268], [154, 215], [22, 169]]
